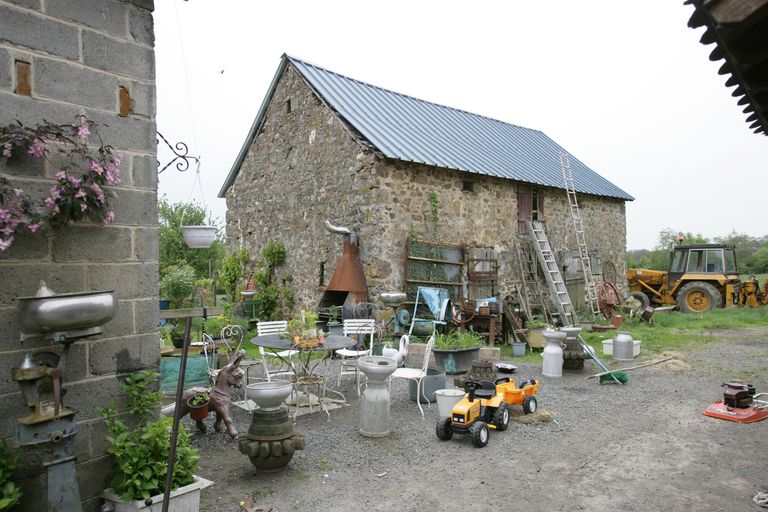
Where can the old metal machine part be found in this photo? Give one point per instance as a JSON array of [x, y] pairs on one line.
[[48, 434], [67, 316], [573, 354], [740, 403]]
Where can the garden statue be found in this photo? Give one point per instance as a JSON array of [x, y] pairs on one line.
[[230, 375]]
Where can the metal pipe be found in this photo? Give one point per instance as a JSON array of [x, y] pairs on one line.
[[338, 230], [177, 415]]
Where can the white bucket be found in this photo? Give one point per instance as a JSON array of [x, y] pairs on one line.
[[446, 399]]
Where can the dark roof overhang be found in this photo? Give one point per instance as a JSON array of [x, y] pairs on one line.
[[739, 30]]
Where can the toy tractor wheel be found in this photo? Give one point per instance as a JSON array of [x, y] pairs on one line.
[[480, 434], [443, 429], [530, 404], [501, 417]]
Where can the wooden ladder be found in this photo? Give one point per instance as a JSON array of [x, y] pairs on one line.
[[530, 294], [554, 278]]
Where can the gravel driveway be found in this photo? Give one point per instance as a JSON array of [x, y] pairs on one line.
[[641, 446]]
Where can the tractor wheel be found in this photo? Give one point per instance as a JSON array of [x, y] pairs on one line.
[[501, 417], [479, 433], [641, 298], [443, 429], [698, 297], [530, 404]]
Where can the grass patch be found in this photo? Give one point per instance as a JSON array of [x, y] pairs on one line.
[[681, 331]]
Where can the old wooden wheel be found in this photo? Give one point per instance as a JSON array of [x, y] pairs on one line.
[[608, 299]]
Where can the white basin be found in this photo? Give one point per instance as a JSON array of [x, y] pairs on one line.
[[269, 395]]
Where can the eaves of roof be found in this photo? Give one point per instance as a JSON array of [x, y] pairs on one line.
[[739, 31]]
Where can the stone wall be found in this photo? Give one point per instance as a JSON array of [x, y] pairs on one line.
[[59, 59], [305, 166]]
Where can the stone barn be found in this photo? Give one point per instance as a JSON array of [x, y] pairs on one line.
[[392, 168]]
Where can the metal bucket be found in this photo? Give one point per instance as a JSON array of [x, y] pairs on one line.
[[446, 399]]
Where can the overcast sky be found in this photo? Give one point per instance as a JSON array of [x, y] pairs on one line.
[[626, 87]]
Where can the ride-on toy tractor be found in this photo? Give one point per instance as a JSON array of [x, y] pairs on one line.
[[487, 406]]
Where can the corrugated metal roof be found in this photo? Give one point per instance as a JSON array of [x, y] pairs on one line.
[[413, 130]]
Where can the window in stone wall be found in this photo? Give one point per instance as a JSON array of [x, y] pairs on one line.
[[288, 106], [321, 281], [530, 206], [467, 186]]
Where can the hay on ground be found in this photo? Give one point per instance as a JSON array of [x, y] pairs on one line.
[[540, 416]]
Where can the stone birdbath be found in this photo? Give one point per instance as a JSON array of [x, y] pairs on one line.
[[374, 411]]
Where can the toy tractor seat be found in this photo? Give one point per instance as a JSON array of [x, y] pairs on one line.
[[485, 393]]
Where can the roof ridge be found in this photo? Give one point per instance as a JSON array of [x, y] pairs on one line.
[[374, 86]]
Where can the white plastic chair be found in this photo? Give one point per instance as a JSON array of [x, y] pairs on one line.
[[276, 327], [417, 374], [359, 328]]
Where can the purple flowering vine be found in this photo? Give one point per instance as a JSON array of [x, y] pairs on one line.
[[82, 166]]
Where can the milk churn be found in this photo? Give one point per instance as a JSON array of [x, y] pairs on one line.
[[553, 354], [623, 346]]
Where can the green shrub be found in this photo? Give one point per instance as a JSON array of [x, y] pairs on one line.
[[177, 284], [141, 453], [10, 494]]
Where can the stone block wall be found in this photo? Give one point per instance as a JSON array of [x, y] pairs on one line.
[[60, 59], [305, 166]]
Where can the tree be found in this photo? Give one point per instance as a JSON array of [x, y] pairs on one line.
[[744, 246], [172, 246], [758, 262], [669, 237]]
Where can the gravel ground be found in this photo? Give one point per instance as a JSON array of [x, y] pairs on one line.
[[641, 446]]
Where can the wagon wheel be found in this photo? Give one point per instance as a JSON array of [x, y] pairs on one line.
[[608, 299]]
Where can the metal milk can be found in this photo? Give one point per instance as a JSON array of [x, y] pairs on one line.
[[553, 354]]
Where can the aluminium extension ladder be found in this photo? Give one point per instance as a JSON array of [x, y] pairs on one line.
[[590, 288], [554, 278]]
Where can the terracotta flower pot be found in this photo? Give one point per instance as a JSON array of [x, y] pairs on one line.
[[197, 412]]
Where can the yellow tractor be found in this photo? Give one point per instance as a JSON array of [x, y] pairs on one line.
[[700, 278]]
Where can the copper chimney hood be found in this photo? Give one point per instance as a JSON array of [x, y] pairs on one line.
[[347, 286]]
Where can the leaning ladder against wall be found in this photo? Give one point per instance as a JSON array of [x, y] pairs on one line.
[[590, 288]]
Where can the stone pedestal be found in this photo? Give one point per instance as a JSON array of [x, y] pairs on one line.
[[271, 441], [374, 409]]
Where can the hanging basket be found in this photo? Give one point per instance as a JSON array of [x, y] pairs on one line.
[[198, 237]]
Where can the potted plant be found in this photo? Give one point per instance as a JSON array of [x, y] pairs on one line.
[[455, 351], [84, 168], [198, 405], [303, 329], [141, 453], [334, 326]]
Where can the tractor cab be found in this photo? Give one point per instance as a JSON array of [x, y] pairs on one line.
[[704, 262]]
